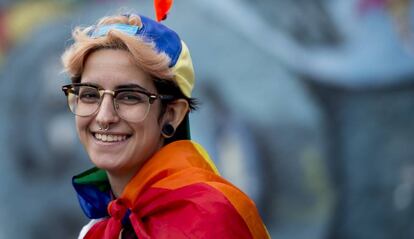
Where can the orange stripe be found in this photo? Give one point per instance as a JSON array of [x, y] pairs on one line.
[[187, 177], [161, 165]]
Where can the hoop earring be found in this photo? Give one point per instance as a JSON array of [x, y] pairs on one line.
[[167, 131]]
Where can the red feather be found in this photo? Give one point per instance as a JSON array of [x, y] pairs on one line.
[[161, 8]]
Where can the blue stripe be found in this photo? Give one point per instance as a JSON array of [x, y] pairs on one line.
[[92, 199], [103, 30]]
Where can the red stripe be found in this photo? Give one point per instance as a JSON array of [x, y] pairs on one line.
[[96, 230], [195, 211]]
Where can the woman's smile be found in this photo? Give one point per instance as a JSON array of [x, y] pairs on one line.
[[110, 143], [110, 137]]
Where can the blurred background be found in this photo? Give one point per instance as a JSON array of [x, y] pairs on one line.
[[307, 105]]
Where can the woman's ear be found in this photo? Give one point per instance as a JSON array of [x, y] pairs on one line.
[[175, 112]]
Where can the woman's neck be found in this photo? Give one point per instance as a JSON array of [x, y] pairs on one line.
[[119, 181]]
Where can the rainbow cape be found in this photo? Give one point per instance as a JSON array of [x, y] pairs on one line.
[[178, 193]]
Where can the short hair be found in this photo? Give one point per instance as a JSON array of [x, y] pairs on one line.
[[143, 53]]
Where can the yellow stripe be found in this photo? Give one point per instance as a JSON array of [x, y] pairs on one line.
[[205, 156], [184, 71]]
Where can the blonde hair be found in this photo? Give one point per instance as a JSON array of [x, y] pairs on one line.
[[143, 53]]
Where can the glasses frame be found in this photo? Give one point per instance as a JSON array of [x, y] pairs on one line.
[[102, 91]]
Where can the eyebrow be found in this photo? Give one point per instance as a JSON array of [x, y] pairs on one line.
[[129, 86]]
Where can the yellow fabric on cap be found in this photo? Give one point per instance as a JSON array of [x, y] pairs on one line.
[[184, 71]]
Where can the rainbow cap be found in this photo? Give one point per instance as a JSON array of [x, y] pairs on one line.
[[165, 40]]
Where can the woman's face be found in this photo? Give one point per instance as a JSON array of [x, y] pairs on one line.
[[111, 68]]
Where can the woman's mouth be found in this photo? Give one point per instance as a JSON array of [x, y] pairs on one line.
[[107, 137]]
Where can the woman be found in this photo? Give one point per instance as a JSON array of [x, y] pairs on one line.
[[131, 88]]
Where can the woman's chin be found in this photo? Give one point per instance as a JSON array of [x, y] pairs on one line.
[[108, 162]]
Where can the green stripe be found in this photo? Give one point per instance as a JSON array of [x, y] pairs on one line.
[[93, 176]]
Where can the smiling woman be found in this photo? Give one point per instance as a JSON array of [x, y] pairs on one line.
[[132, 80]]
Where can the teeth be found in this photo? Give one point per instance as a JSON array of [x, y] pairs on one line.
[[109, 137]]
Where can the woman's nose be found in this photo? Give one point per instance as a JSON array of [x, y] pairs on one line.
[[106, 112]]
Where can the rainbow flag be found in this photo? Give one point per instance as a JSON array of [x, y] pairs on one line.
[[178, 193]]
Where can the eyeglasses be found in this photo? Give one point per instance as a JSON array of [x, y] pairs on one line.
[[131, 103]]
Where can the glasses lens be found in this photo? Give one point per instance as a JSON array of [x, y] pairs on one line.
[[132, 106], [83, 100]]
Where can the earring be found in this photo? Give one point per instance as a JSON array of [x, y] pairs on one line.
[[167, 131]]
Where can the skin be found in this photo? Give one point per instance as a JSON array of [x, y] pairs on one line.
[[122, 160]]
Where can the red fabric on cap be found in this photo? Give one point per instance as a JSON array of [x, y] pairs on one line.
[[161, 8]]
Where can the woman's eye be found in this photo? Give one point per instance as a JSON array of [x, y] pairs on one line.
[[130, 98], [89, 96]]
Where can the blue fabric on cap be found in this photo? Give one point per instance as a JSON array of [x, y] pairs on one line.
[[165, 39]]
